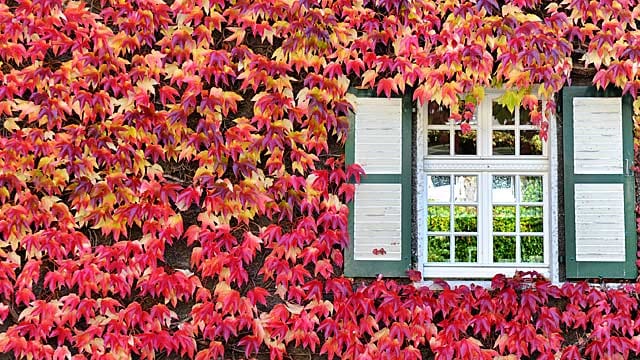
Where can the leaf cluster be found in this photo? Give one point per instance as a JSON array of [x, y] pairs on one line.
[[134, 132]]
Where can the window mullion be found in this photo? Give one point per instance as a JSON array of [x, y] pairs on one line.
[[452, 138], [516, 133], [485, 238], [484, 125], [484, 144], [518, 203], [452, 237]]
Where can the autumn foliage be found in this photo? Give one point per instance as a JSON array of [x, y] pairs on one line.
[[172, 184]]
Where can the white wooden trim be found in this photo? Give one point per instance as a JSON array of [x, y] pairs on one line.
[[554, 185], [480, 271], [421, 186]]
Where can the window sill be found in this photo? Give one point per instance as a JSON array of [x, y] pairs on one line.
[[478, 272]]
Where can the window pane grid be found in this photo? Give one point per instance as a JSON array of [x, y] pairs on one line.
[[515, 232], [452, 218], [470, 238], [511, 136], [526, 218]]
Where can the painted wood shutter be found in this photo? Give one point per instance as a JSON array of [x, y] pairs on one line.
[[380, 214], [599, 186]]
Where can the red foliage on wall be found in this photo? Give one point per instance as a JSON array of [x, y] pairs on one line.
[[171, 179]]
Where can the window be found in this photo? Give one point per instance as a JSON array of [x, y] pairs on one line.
[[487, 193], [473, 204]]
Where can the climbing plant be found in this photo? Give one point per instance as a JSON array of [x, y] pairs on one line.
[[172, 179]]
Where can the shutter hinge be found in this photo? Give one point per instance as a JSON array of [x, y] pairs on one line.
[[561, 259]]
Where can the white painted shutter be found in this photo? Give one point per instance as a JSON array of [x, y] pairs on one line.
[[599, 186], [597, 135], [599, 222], [380, 141], [378, 135]]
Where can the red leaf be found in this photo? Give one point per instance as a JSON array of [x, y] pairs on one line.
[[258, 295], [388, 86]]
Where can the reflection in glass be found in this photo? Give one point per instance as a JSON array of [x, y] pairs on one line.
[[438, 219], [474, 119], [438, 114], [438, 142], [466, 249], [438, 249], [465, 218], [465, 144], [504, 218], [532, 249], [439, 188], [501, 115], [531, 219], [466, 189], [504, 142], [464, 109], [504, 249], [525, 115], [530, 142], [531, 187], [503, 189]]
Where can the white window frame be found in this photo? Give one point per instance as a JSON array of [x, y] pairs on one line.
[[485, 165]]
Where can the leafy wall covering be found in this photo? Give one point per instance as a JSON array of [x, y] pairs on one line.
[[172, 181]]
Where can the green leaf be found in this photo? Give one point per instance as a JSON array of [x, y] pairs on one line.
[[511, 99]]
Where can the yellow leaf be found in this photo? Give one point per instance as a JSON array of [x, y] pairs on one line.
[[509, 9], [294, 308], [10, 124], [147, 84], [369, 77]]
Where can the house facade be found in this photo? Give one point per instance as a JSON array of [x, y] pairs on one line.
[[496, 197]]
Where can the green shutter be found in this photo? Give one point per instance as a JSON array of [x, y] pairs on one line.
[[380, 214], [599, 186]]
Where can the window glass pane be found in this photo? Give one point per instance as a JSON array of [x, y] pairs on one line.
[[531, 219], [531, 187], [530, 142], [504, 142], [466, 189], [438, 249], [438, 114], [465, 144], [439, 189], [504, 249], [466, 248], [532, 249], [504, 218], [474, 119], [501, 115], [438, 142], [525, 115], [438, 218], [503, 189], [464, 109], [465, 218]]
